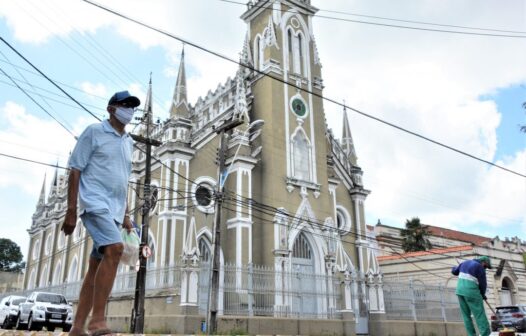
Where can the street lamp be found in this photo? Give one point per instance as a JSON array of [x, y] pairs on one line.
[[253, 125]]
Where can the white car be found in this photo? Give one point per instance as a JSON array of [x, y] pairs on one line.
[[48, 310], [9, 310]]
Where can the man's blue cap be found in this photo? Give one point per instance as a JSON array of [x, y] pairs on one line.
[[125, 98]]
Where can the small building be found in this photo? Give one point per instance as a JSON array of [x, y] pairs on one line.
[[506, 280]]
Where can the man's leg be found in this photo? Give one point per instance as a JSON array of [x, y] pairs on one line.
[[103, 283], [85, 298], [477, 307], [466, 316]]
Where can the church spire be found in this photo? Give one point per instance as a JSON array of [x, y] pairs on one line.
[[347, 141], [42, 198], [147, 116], [179, 101]]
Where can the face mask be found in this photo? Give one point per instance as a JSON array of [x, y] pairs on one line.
[[124, 114]]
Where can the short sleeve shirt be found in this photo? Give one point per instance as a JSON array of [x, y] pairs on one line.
[[103, 157]]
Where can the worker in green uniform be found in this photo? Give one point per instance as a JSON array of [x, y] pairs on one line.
[[471, 293]]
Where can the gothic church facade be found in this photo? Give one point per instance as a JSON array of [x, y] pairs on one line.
[[293, 201]]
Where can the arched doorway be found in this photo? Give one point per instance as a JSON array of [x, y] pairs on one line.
[[506, 292], [303, 277]]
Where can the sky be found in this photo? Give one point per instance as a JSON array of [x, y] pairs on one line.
[[462, 90]]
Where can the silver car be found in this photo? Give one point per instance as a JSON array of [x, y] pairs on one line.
[[9, 310], [511, 317]]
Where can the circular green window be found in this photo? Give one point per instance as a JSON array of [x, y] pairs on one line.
[[298, 107]]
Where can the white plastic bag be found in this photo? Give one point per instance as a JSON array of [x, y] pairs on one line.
[[131, 242]]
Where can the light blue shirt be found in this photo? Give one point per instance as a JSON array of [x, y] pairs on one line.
[[103, 158]]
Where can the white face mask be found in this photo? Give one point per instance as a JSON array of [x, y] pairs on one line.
[[124, 114]]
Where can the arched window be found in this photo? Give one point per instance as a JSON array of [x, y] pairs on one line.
[[204, 250], [43, 277], [257, 53], [301, 156], [36, 249], [300, 54], [506, 292], [49, 244], [74, 270], [57, 274], [290, 41], [32, 278]]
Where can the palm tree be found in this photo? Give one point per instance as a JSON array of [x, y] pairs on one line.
[[415, 236]]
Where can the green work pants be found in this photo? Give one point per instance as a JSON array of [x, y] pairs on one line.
[[475, 306]]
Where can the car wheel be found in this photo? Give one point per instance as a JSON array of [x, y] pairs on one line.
[[19, 325], [50, 328], [66, 328], [32, 325], [5, 324]]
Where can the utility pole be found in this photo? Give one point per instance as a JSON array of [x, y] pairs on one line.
[[137, 320], [211, 326]]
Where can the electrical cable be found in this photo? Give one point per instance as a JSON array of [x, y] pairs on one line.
[[400, 128], [400, 26]]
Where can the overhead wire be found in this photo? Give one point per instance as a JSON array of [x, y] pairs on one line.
[[400, 128], [159, 161], [262, 6], [37, 103]]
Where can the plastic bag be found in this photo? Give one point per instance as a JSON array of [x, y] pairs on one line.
[[131, 242]]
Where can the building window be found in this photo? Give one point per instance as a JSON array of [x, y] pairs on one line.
[[203, 194], [343, 220], [36, 249], [204, 250], [73, 271], [301, 156], [49, 244]]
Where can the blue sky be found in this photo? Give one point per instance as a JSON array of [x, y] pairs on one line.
[[465, 91]]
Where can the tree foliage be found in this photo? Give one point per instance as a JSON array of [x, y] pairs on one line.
[[10, 256], [415, 236]]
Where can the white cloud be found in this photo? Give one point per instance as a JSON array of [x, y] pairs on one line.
[[428, 82], [95, 89]]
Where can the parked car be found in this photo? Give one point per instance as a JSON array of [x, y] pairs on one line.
[[9, 310], [48, 310], [511, 317]]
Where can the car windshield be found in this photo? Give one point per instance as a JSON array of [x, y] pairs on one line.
[[16, 302], [51, 298], [505, 310]]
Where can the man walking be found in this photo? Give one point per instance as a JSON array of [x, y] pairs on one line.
[[471, 291], [100, 166]]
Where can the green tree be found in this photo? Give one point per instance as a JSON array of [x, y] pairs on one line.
[[10, 256], [415, 236]]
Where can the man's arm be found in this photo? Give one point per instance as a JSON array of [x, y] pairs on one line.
[[70, 220], [126, 222]]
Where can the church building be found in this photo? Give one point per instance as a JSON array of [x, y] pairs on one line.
[[293, 241]]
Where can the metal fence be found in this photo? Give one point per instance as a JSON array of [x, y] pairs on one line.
[[420, 302], [264, 291]]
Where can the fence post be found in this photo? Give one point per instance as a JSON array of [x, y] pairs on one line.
[[250, 289], [442, 303], [413, 298]]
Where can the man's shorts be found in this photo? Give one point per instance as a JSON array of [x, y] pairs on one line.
[[103, 229]]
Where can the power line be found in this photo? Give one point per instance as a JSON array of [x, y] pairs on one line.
[[400, 26], [37, 103], [400, 128], [46, 77]]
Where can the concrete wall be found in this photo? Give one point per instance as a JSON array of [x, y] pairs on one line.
[[166, 316]]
